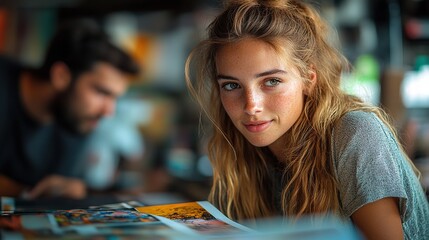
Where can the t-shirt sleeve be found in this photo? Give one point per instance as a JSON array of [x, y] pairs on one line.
[[367, 161]]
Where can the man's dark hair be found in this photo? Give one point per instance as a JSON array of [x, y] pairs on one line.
[[80, 43]]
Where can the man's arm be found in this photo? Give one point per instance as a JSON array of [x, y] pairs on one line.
[[9, 187], [56, 185]]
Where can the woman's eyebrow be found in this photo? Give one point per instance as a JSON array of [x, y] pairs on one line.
[[262, 74], [270, 72], [221, 76]]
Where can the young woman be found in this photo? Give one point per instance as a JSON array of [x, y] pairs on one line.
[[286, 139]]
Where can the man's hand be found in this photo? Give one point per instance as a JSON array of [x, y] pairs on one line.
[[10, 187], [58, 186]]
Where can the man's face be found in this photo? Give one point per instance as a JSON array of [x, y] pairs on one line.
[[89, 98]]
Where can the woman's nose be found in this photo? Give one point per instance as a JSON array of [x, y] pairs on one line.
[[253, 102]]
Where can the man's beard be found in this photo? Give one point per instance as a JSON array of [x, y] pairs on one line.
[[66, 117]]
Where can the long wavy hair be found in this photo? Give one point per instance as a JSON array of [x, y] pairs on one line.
[[241, 172]]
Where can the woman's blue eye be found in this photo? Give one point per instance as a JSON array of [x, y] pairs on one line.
[[230, 86], [272, 82]]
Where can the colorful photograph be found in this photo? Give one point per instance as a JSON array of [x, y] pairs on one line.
[[192, 214], [75, 217]]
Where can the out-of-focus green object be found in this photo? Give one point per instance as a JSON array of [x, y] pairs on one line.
[[364, 81], [421, 60], [367, 69]]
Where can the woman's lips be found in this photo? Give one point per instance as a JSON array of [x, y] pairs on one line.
[[257, 126]]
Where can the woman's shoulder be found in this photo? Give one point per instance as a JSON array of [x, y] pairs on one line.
[[359, 122], [356, 119], [362, 130]]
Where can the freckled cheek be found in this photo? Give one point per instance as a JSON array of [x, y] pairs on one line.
[[283, 103], [230, 105], [279, 101]]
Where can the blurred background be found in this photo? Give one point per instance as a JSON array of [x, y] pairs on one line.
[[156, 125]]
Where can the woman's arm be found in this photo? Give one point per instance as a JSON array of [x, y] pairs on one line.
[[380, 219]]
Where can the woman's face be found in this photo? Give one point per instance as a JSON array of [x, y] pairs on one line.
[[261, 93]]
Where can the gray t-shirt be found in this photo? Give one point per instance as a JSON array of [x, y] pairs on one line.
[[370, 166]]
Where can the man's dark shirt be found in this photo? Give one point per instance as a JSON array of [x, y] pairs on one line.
[[29, 150]]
